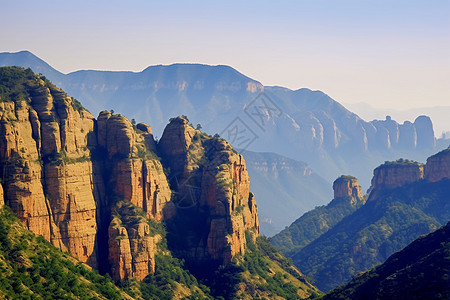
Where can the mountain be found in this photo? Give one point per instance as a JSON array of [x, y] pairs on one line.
[[290, 188], [420, 271], [29, 60], [159, 217], [407, 199], [303, 125], [437, 113], [347, 199], [297, 124]]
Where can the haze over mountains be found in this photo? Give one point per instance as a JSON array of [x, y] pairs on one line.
[[439, 115], [351, 235], [167, 219], [304, 125]]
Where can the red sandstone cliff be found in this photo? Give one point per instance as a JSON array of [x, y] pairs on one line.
[[90, 186], [438, 166], [46, 170], [215, 178], [395, 174], [347, 186]]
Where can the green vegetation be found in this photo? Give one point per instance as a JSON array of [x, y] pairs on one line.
[[169, 275], [420, 271], [32, 268], [401, 162], [264, 271], [14, 82], [143, 152], [58, 158], [313, 224], [373, 232], [77, 105]]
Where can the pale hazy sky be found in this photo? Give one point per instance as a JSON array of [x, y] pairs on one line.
[[392, 53]]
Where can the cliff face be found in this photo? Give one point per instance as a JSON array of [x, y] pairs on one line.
[[46, 170], [438, 166], [91, 186], [216, 181], [347, 186], [395, 174], [2, 197], [131, 247], [61, 182], [133, 172]]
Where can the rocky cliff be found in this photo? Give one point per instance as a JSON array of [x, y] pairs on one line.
[[438, 166], [212, 187], [395, 174], [347, 186], [60, 181], [46, 169], [92, 187]]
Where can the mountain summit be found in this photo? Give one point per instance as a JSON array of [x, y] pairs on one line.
[[304, 125], [143, 211]]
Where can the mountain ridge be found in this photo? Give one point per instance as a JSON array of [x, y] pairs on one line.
[[144, 211], [406, 199], [301, 124]]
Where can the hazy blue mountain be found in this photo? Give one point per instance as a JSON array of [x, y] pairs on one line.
[[29, 60], [285, 188], [439, 114], [301, 124]]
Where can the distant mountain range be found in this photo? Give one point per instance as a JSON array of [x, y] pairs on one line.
[[173, 219], [285, 187], [331, 244], [304, 125], [439, 114]]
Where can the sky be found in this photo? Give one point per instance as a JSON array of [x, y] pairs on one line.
[[389, 54]]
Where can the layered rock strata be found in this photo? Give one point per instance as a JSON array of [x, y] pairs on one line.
[[46, 167], [438, 166], [215, 178], [347, 186], [401, 172], [91, 186]]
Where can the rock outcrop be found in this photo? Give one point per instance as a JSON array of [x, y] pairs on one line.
[[216, 181], [134, 171], [131, 247], [347, 186], [46, 168], [92, 187], [395, 174], [438, 166], [60, 181], [419, 134]]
